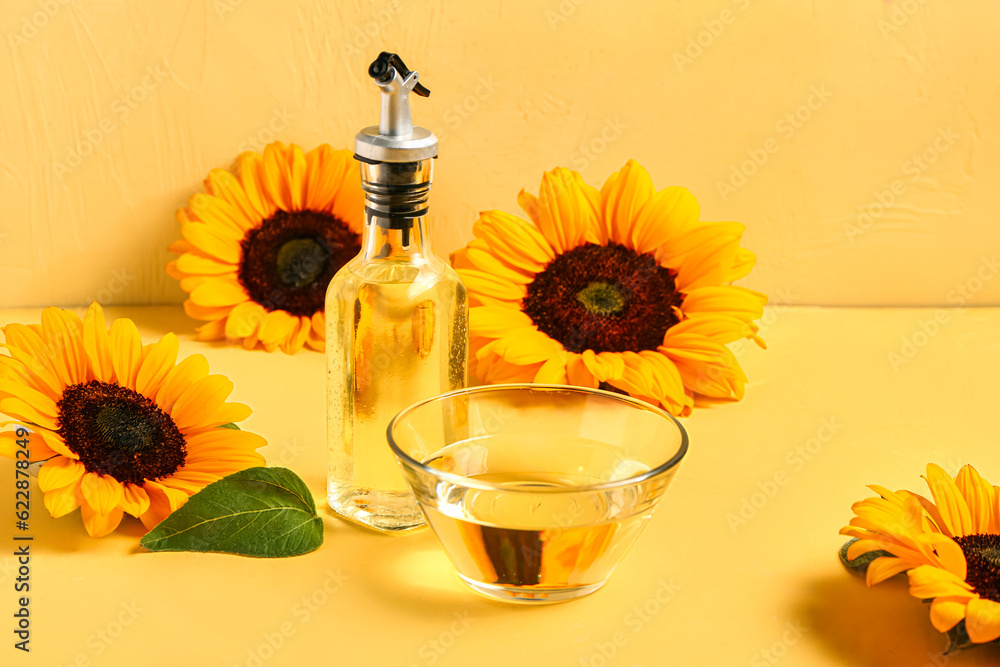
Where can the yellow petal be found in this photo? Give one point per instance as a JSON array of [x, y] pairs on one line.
[[212, 242], [954, 510], [96, 344], [928, 581], [62, 330], [60, 502], [18, 409], [494, 321], [982, 620], [59, 472], [218, 439], [885, 567], [220, 215], [55, 443], [666, 216], [274, 169], [26, 346], [623, 196], [29, 395], [157, 365], [200, 264], [219, 292], [135, 500], [215, 330], [577, 373], [348, 203], [244, 319], [99, 525], [127, 351], [325, 169], [199, 403], [294, 343], [179, 379], [980, 497], [568, 210], [277, 326], [251, 167], [553, 371], [483, 283], [514, 241], [947, 612], [222, 184], [102, 492], [162, 501], [36, 448], [195, 311]]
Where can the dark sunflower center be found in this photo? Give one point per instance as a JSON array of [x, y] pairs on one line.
[[289, 260], [605, 298], [119, 432], [601, 299], [982, 556]]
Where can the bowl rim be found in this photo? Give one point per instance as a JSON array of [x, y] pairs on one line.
[[470, 482]]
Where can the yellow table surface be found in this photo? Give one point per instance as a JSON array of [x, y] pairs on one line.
[[826, 412]]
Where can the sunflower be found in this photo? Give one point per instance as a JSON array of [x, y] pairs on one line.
[[260, 248], [622, 288], [949, 548], [120, 425]]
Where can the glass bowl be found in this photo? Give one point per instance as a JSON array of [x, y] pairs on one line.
[[536, 491]]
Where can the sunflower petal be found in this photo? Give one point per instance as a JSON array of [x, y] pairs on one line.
[[514, 241], [200, 401], [97, 345], [102, 492], [201, 264], [949, 500], [162, 501], [664, 217], [496, 321], [157, 365], [135, 500], [277, 326], [325, 169], [251, 169], [18, 409], [212, 242], [62, 330], [244, 319], [179, 378], [623, 196], [980, 496], [219, 291], [99, 525], [928, 581], [127, 345], [60, 502], [37, 449], [59, 472], [568, 210], [222, 184], [946, 612], [982, 620]]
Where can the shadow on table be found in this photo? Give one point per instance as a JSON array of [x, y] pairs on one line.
[[881, 626], [411, 570]]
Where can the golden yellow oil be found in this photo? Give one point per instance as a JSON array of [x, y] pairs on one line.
[[396, 333], [533, 531]]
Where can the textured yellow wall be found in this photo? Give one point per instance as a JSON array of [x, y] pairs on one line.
[[858, 140]]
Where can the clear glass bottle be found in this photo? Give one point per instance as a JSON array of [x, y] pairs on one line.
[[396, 316]]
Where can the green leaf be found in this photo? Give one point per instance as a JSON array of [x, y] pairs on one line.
[[861, 563], [265, 512], [231, 425]]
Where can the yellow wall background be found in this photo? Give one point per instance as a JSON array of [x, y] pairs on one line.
[[856, 139]]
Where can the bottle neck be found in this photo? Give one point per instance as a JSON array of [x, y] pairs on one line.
[[379, 243]]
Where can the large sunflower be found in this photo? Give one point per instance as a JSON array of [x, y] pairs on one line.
[[622, 288], [260, 247], [949, 548], [121, 427]]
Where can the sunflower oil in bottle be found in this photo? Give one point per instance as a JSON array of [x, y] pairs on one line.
[[396, 315]]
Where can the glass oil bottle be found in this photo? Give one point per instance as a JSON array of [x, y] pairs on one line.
[[396, 315]]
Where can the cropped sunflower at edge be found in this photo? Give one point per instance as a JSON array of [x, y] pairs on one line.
[[261, 246], [121, 426], [621, 288], [949, 549]]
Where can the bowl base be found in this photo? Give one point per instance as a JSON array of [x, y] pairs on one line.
[[531, 595]]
